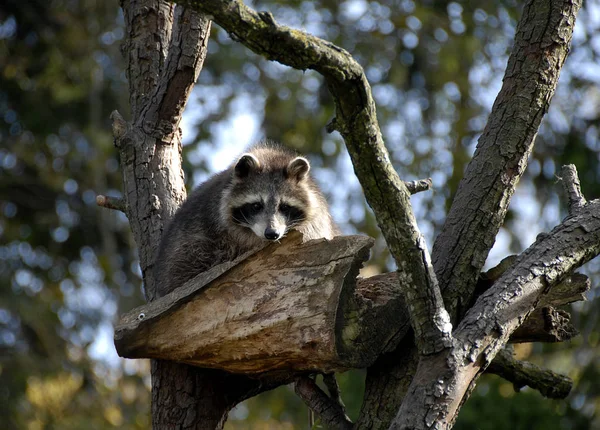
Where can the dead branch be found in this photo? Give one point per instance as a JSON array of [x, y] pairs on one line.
[[570, 289], [418, 186], [522, 373], [334, 389], [330, 412], [115, 203], [572, 186], [545, 324], [272, 314]]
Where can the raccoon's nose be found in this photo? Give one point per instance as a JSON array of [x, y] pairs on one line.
[[271, 234]]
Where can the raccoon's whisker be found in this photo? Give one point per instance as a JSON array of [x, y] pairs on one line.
[[246, 219], [244, 222], [296, 222], [240, 221]]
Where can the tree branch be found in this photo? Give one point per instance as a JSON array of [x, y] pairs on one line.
[[115, 203], [389, 378], [418, 186], [330, 412], [541, 45], [568, 290], [269, 315], [334, 389], [570, 181], [119, 126], [522, 373], [545, 324], [495, 316]]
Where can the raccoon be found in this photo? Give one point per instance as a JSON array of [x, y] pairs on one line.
[[266, 193]]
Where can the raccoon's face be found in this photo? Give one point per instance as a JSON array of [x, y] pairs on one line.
[[268, 198]]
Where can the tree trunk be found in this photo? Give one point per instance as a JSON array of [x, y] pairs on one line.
[[165, 47], [188, 397]]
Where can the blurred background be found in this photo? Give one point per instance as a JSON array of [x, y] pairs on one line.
[[68, 268]]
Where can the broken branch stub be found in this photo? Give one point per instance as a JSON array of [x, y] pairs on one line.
[[279, 309], [545, 324]]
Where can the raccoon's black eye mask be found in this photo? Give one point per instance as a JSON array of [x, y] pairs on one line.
[[244, 213], [292, 213]]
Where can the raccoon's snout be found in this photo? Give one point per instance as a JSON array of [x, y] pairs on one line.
[[271, 234]]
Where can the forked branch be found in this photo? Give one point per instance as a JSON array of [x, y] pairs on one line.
[[186, 54], [541, 46], [443, 382]]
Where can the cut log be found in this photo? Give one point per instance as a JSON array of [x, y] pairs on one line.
[[283, 309]]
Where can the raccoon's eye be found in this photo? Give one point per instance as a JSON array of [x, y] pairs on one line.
[[293, 214], [251, 209], [244, 214]]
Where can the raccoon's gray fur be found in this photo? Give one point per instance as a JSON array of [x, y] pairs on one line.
[[260, 197]]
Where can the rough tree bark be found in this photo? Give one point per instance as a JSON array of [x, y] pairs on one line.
[[165, 47], [541, 45], [422, 387]]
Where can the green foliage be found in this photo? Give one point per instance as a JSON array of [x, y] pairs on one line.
[[66, 266]]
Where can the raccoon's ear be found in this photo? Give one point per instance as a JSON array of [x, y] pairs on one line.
[[298, 168], [247, 164]]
